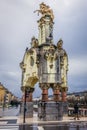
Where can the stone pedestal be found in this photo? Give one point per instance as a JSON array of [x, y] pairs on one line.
[[29, 109], [56, 95], [64, 96], [65, 108], [29, 97], [50, 111]]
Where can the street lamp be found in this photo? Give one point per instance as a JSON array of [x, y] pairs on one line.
[[27, 91], [4, 101], [43, 107], [24, 107]]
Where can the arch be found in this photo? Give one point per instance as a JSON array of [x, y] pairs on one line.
[[37, 91], [50, 93]]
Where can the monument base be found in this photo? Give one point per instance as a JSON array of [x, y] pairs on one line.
[[28, 109], [65, 108], [49, 111]]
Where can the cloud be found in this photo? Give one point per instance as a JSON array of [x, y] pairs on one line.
[[78, 66], [77, 74]]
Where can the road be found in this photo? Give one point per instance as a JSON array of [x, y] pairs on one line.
[[9, 127], [8, 120], [45, 127], [54, 127], [12, 111]]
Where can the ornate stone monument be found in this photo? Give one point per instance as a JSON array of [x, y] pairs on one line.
[[47, 64]]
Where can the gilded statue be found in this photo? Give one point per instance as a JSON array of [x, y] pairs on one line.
[[60, 44], [45, 10], [34, 42]]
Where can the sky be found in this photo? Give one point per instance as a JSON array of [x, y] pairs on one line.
[[18, 24]]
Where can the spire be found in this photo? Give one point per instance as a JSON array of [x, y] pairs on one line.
[[45, 23]]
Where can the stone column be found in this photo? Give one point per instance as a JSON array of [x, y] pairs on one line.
[[28, 104], [28, 93], [44, 88], [45, 94], [45, 26], [56, 92], [56, 95], [29, 97], [63, 94], [43, 37], [39, 37]]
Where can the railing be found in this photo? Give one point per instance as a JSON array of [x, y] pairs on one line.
[[82, 112]]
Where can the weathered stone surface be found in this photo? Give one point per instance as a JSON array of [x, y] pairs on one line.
[[29, 109], [65, 108], [50, 111], [46, 63]]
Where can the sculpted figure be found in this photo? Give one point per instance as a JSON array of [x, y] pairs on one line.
[[45, 10], [34, 42], [60, 44], [63, 62]]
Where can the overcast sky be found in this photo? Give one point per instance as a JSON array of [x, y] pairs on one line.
[[18, 24]]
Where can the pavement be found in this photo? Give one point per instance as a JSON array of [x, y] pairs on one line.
[[16, 123], [12, 120], [35, 120], [9, 115], [18, 119]]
